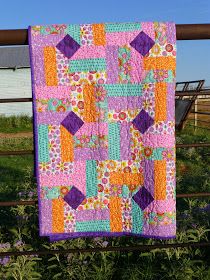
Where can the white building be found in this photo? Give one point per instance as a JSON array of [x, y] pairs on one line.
[[15, 79]]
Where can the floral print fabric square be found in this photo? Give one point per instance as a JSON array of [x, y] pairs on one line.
[[103, 100]]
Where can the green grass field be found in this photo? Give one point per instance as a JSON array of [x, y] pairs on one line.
[[15, 124], [21, 223]]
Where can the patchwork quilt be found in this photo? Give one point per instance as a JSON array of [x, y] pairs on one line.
[[103, 104]]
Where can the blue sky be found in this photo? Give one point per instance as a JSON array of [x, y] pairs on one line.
[[193, 57]]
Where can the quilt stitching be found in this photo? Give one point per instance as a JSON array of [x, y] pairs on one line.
[[103, 97]]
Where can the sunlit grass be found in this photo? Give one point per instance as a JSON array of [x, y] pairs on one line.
[[21, 223], [15, 124]]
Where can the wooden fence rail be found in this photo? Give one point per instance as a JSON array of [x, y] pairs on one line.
[[183, 32], [31, 152], [141, 248], [29, 99], [35, 202]]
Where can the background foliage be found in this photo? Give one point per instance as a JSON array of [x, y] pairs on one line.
[[19, 225]]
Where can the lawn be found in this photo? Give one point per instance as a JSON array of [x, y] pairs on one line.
[[19, 230], [14, 124]]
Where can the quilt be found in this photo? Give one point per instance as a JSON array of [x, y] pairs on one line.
[[103, 106]]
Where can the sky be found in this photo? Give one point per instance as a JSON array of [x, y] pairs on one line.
[[193, 57]]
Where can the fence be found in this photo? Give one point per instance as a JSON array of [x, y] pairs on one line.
[[19, 37], [191, 99], [200, 113]]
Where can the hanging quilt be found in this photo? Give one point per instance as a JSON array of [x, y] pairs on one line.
[[103, 104]]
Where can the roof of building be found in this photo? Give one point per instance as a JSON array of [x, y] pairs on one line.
[[14, 57]]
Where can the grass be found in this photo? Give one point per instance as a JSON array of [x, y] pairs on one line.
[[193, 164], [19, 143], [12, 173], [14, 168], [14, 124], [20, 223], [189, 135]]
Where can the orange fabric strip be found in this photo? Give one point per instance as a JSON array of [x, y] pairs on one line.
[[115, 214], [50, 66], [89, 103], [156, 63], [67, 147], [57, 215], [99, 37], [160, 101], [128, 179], [160, 179]]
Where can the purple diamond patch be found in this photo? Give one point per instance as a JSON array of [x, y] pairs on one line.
[[143, 198], [68, 46], [142, 43], [74, 197], [72, 123], [143, 121]]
